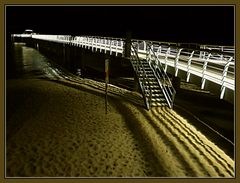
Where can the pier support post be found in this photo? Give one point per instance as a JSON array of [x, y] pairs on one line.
[[127, 46], [176, 82]]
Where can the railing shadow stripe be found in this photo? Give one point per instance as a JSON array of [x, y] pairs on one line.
[[175, 137], [166, 142], [205, 146], [170, 121], [191, 170], [141, 135]]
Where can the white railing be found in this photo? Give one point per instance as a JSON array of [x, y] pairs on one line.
[[21, 35], [218, 67], [205, 62], [102, 44]]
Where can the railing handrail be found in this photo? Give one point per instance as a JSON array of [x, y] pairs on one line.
[[206, 48], [169, 94], [199, 57]]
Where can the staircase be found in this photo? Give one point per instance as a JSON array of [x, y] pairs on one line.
[[154, 83]]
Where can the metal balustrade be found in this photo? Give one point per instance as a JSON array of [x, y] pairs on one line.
[[209, 66], [213, 63], [142, 76], [162, 77]]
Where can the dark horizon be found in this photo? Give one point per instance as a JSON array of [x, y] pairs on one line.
[[184, 24]]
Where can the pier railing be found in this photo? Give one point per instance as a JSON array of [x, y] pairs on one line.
[[209, 62]]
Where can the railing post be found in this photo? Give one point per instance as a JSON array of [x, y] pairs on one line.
[[85, 42], [96, 43], [78, 41], [158, 60], [116, 47], [144, 46], [88, 41], [202, 53], [82, 42], [121, 41], [70, 40], [221, 54], [223, 88], [148, 52], [138, 48], [100, 43], [92, 43], [105, 42], [110, 46], [176, 62], [204, 70], [64, 51], [166, 57], [151, 49], [159, 51], [188, 66]]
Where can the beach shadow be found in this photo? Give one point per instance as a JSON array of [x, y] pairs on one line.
[[222, 143], [140, 135], [100, 91], [133, 125], [225, 144], [196, 138], [194, 142], [171, 145]]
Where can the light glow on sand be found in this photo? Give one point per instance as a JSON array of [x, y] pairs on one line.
[[58, 128], [78, 140]]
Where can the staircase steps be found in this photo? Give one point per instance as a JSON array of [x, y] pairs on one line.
[[153, 88]]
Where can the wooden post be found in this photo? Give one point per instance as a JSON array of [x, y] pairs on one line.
[[106, 81]]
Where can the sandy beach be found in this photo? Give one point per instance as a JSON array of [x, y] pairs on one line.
[[58, 128]]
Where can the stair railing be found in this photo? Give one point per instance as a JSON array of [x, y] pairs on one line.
[[164, 81], [144, 84]]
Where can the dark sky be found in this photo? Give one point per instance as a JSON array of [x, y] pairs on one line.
[[189, 24]]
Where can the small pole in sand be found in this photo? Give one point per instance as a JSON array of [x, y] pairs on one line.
[[106, 81]]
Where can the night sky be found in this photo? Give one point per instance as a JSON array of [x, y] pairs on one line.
[[188, 24]]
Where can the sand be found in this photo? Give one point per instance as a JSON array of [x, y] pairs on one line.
[[58, 128]]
